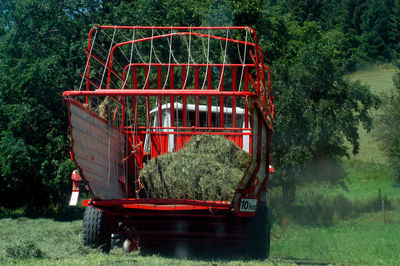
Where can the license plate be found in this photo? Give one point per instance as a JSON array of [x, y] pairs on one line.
[[248, 205]]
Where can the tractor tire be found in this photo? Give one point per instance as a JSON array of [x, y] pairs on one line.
[[95, 230], [258, 234]]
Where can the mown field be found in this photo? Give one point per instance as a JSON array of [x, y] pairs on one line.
[[345, 226], [359, 224], [326, 226], [379, 78]]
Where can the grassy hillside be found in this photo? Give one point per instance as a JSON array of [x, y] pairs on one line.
[[358, 241], [325, 225], [379, 78], [344, 226]]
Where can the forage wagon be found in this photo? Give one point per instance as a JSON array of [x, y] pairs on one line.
[[146, 92]]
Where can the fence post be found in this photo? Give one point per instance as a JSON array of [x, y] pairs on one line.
[[383, 211]]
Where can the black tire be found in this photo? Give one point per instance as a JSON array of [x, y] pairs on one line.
[[258, 232], [95, 230]]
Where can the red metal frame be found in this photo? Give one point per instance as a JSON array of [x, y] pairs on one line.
[[256, 94]]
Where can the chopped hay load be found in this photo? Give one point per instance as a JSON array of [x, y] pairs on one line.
[[207, 168]]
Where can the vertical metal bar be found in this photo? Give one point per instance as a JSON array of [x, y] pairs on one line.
[[123, 105], [246, 78], [123, 112], [196, 77], [172, 100], [258, 72], [134, 112], [184, 97], [146, 74], [147, 80], [221, 99], [234, 98], [109, 73], [159, 97], [88, 61], [134, 85], [134, 77], [209, 97], [196, 84], [246, 104], [87, 80], [159, 142], [172, 105]]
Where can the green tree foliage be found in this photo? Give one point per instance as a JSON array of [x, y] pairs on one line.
[[394, 28], [368, 29], [387, 125], [316, 111], [375, 31], [349, 25], [308, 43], [39, 45]]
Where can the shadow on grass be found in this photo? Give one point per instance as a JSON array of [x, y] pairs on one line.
[[201, 251], [58, 214], [322, 211], [297, 261]]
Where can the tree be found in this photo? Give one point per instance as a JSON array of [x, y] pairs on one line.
[[387, 125], [152, 13], [38, 53], [316, 110], [394, 28], [41, 53], [349, 25], [374, 25]]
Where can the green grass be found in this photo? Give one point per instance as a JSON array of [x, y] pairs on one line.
[[365, 180], [379, 78], [59, 243], [343, 226], [351, 235], [364, 240]]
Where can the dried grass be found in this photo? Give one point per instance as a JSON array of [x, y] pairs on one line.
[[209, 167]]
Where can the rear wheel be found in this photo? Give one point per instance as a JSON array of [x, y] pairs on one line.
[[96, 233], [258, 234]]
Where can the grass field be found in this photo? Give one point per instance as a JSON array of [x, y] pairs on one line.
[[379, 78], [364, 240], [327, 226], [345, 226], [49, 242]]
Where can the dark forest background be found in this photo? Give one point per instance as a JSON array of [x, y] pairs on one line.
[[310, 45]]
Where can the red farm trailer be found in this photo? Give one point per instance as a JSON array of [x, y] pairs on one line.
[[145, 91]]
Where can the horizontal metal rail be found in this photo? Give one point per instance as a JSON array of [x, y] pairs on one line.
[[166, 92], [169, 202]]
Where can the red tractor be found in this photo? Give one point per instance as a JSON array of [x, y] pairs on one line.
[[145, 92]]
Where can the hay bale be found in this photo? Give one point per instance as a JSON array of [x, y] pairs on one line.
[[209, 167]]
